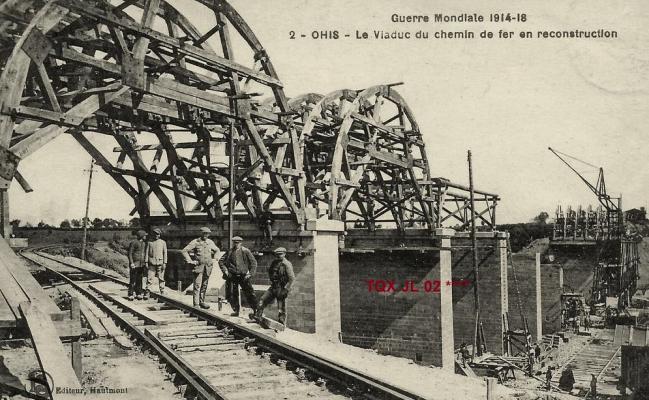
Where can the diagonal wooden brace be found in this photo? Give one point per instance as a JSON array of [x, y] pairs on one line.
[[8, 164]]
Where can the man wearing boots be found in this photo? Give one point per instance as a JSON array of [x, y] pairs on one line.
[[281, 278], [156, 259], [202, 252], [136, 255], [238, 266]]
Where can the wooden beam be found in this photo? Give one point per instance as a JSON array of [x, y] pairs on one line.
[[46, 85], [79, 113], [138, 164], [175, 44], [28, 285], [50, 352], [105, 164], [14, 74], [162, 87], [175, 160], [148, 16]]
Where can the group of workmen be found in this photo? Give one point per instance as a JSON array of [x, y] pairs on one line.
[[147, 260], [238, 266]]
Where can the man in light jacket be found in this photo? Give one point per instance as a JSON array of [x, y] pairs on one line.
[[156, 259], [200, 253]]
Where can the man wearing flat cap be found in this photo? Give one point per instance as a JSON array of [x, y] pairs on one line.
[[200, 253], [136, 255], [238, 266], [156, 259], [281, 277]]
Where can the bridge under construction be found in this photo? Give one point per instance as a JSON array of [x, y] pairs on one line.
[[205, 136]]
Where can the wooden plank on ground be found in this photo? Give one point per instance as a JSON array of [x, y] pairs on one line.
[[69, 329], [116, 333], [272, 324], [88, 311], [51, 355], [466, 369], [11, 292], [7, 316], [18, 269]]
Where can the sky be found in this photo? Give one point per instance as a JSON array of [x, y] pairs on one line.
[[506, 100]]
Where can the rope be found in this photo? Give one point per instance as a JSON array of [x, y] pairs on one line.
[[577, 159]]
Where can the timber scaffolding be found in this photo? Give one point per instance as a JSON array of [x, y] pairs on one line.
[[174, 99], [615, 269], [601, 231], [205, 135]]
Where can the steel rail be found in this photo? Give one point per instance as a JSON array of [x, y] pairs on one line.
[[370, 387], [195, 379]]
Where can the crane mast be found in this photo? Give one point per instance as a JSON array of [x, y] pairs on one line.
[[612, 222]]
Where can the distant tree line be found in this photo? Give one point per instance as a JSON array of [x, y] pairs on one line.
[[522, 234], [96, 223]]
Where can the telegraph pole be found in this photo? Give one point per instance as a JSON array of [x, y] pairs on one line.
[[477, 345], [231, 188], [231, 202], [85, 219]]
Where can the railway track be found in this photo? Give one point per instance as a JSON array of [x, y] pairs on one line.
[[213, 358], [600, 357]]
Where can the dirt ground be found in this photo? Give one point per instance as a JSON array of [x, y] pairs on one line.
[[105, 365]]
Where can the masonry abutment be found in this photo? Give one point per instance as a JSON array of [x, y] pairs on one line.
[[326, 276], [504, 285], [313, 305]]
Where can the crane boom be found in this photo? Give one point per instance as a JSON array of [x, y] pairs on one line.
[[599, 189]]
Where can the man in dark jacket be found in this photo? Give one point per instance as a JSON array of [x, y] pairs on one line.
[[136, 255], [200, 253], [281, 277], [567, 380], [238, 266]]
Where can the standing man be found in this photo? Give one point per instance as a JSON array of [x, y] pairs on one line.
[[464, 352], [281, 278], [202, 252], [548, 379], [530, 362], [238, 266], [537, 353], [593, 386], [136, 256], [156, 259]]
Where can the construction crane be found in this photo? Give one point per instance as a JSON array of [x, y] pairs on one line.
[[615, 274], [609, 203]]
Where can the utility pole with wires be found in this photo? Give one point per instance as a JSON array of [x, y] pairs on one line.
[[232, 171], [477, 342], [85, 218]]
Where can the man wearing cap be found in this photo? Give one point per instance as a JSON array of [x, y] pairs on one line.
[[156, 259], [200, 252], [281, 278], [238, 266], [136, 255]]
